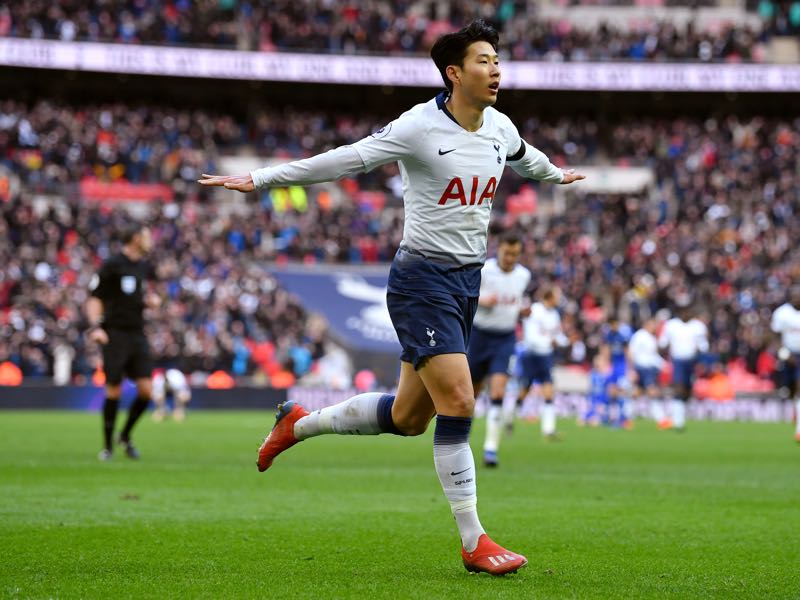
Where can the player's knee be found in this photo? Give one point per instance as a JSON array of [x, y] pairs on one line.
[[461, 403]]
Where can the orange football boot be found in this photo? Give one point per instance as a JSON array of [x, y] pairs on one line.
[[282, 435], [490, 558]]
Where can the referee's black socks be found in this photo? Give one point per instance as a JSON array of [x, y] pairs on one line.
[[109, 419], [137, 409]]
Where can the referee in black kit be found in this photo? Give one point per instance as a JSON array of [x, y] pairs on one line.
[[115, 312]]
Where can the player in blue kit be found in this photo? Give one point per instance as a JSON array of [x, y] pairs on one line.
[[616, 338], [494, 335], [451, 151], [599, 378]]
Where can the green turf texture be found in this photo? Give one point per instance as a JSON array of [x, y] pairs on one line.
[[711, 513]]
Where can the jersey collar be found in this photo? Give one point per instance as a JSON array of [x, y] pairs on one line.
[[441, 99]]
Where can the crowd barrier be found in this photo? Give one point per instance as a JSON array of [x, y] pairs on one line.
[[568, 405]]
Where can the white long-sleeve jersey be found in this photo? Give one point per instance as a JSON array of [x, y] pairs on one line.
[[450, 175], [786, 322], [509, 289], [685, 339], [643, 350], [542, 329]]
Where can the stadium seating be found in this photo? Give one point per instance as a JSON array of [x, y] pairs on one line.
[[530, 30], [722, 204]]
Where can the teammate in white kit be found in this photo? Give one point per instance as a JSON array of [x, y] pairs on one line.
[[786, 323], [686, 339], [171, 383], [451, 151], [648, 363], [541, 332], [494, 333]]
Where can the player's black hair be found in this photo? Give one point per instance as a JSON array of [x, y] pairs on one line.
[[549, 292], [451, 48], [511, 238], [128, 232]]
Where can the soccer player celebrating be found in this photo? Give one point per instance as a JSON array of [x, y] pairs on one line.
[[451, 151], [491, 345], [541, 331], [686, 339], [786, 323], [115, 312]]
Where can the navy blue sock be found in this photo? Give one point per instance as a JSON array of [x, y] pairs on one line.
[[451, 430], [385, 421]]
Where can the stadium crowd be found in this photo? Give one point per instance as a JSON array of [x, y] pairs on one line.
[[718, 222], [387, 27], [222, 310]]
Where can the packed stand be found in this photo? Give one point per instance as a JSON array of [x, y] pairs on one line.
[[389, 27], [222, 310], [716, 230]]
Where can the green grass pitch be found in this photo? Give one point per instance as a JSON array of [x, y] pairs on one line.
[[712, 513]]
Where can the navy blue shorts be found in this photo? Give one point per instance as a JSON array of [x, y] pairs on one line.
[[432, 304], [648, 376], [790, 372], [683, 372], [431, 325], [536, 368], [490, 352]]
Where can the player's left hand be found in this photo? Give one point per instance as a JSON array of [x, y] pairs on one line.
[[570, 176], [240, 183]]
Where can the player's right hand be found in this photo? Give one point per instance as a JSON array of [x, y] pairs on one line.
[[98, 336], [240, 183]]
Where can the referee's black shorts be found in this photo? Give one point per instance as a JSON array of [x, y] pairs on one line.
[[126, 354]]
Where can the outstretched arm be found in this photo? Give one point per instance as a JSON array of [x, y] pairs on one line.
[[334, 164], [532, 163]]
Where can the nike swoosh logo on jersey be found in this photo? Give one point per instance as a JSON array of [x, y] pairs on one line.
[[460, 472], [446, 151]]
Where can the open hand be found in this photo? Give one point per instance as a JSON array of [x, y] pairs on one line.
[[570, 175], [240, 183]]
